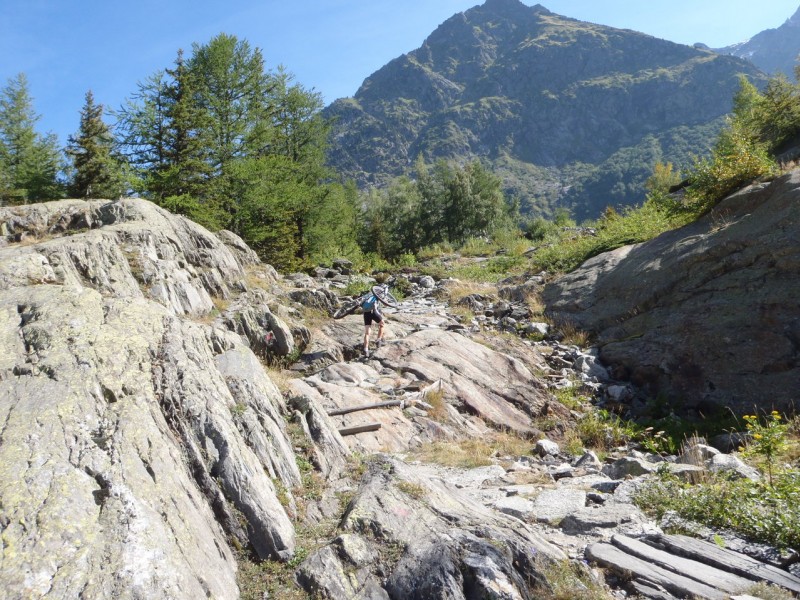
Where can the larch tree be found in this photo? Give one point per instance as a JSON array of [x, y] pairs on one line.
[[98, 170]]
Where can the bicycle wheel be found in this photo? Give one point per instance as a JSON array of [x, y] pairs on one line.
[[345, 309], [385, 296]]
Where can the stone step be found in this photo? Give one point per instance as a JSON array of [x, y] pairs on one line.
[[662, 565], [735, 562], [611, 557], [714, 577]]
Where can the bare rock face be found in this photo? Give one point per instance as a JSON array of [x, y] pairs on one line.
[[136, 444], [431, 541], [707, 313], [498, 388]]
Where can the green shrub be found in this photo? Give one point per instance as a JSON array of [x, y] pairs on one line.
[[602, 430], [768, 440], [759, 511], [737, 160], [632, 225]]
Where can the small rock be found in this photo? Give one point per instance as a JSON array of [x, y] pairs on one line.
[[553, 505], [730, 464], [607, 487], [698, 454], [619, 393], [537, 329], [546, 447], [625, 466], [589, 461], [427, 282], [355, 549]]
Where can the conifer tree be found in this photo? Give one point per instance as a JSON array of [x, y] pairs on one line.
[[185, 169], [98, 170], [233, 90], [142, 124], [30, 163]]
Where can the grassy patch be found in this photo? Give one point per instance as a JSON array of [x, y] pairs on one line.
[[473, 452], [281, 377], [572, 335], [633, 225], [602, 431], [570, 580]]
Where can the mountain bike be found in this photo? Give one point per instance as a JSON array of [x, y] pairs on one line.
[[381, 292]]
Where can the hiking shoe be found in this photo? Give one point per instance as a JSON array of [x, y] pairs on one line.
[[379, 343], [366, 352]]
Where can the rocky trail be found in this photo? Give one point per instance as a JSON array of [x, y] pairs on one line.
[[149, 446], [568, 508]]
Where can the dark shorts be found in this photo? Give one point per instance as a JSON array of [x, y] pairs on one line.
[[372, 315]]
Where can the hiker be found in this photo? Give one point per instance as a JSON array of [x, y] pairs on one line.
[[372, 313]]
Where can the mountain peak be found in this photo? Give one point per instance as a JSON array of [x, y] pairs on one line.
[[508, 6]]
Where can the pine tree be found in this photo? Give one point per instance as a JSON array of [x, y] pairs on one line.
[[181, 184], [30, 163], [185, 169], [98, 170]]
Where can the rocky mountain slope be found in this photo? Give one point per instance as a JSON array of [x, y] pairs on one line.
[[569, 113], [772, 50], [705, 314], [147, 450]]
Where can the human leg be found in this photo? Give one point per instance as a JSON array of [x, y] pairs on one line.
[[367, 330], [379, 339]]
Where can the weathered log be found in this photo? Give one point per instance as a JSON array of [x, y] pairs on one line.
[[608, 556], [734, 562], [359, 429], [718, 578], [351, 409]]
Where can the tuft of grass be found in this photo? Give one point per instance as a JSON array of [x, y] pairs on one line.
[[409, 488], [572, 398], [281, 377], [765, 591], [568, 580], [436, 399], [570, 334], [462, 289]]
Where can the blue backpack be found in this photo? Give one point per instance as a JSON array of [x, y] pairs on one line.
[[369, 303]]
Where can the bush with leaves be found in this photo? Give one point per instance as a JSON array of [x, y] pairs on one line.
[[737, 160], [759, 511]]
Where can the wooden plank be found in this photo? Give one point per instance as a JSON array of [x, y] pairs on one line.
[[613, 558], [716, 578], [359, 429], [352, 409], [727, 560]]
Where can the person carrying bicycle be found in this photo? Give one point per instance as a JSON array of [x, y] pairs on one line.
[[372, 313]]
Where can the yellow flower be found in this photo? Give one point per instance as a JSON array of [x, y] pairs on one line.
[[757, 436]]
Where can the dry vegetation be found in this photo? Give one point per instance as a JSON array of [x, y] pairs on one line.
[[473, 452]]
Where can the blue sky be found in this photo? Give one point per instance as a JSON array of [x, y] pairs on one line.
[[66, 47]]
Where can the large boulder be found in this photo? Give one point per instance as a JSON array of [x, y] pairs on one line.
[[137, 445], [706, 314]]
